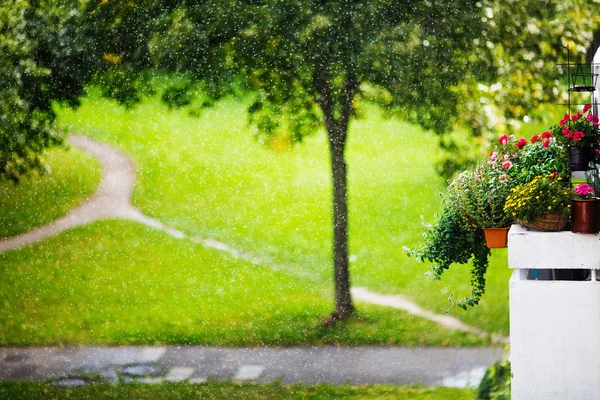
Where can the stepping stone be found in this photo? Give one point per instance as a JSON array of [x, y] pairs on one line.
[[149, 381], [71, 381], [142, 370], [177, 374], [248, 372], [152, 354], [15, 358], [104, 373]]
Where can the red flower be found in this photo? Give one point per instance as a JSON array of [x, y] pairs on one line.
[[554, 174], [521, 143], [577, 136], [564, 120], [546, 143], [547, 135], [567, 133], [535, 138], [587, 107], [503, 139], [576, 117]]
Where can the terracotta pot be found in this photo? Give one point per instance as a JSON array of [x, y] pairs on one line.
[[579, 157], [496, 238], [584, 216]]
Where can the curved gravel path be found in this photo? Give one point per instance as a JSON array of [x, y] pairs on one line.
[[113, 201]]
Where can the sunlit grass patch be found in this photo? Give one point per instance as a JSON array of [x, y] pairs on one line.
[[208, 176], [228, 390], [117, 282], [37, 199]]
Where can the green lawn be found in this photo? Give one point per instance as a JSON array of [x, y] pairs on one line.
[[225, 390], [36, 200], [118, 282], [208, 176]]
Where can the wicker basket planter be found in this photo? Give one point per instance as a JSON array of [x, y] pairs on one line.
[[547, 223]]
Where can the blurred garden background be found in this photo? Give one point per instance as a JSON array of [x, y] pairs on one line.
[[231, 113]]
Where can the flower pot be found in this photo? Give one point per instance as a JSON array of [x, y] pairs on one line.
[[547, 222], [579, 158], [584, 216], [496, 238]]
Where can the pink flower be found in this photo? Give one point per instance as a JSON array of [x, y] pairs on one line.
[[587, 107], [493, 155], [521, 143], [502, 177], [506, 157], [593, 118], [546, 143], [535, 138], [547, 135], [504, 139], [506, 164], [584, 190]]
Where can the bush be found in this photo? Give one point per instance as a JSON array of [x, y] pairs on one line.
[[495, 384]]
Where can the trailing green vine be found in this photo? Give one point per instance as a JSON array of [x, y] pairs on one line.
[[454, 239]]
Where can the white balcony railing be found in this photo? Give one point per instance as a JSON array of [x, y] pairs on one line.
[[554, 324]]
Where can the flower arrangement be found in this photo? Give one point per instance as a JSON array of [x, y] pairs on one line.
[[545, 194], [578, 130], [543, 155], [583, 191], [481, 194], [522, 179]]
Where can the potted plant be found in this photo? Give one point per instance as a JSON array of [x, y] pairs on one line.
[[579, 133], [481, 194], [584, 218], [543, 204]]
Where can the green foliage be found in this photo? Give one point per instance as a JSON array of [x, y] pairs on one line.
[[544, 194], [117, 282], [25, 125], [526, 45], [49, 49], [227, 390], [495, 384], [454, 239]]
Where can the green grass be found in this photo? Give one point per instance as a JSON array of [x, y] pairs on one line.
[[36, 200], [118, 282], [208, 176], [227, 390]]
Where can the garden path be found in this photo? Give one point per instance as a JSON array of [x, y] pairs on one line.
[[113, 201], [434, 366]]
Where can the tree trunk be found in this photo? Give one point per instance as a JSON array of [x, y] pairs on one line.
[[343, 301], [337, 132]]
